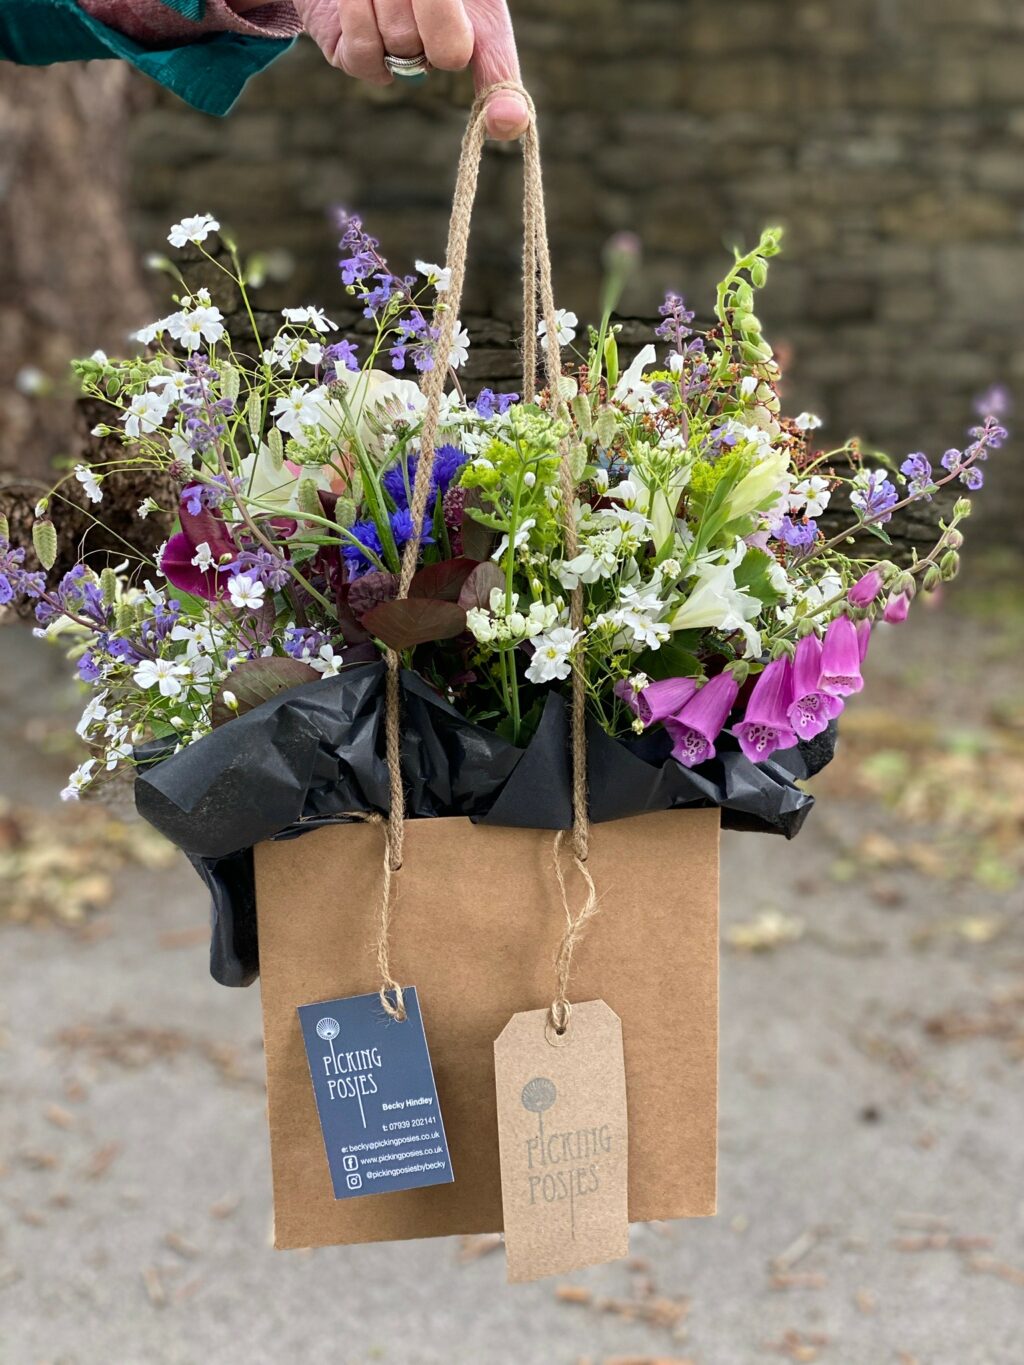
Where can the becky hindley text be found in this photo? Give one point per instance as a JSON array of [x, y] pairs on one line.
[[567, 1165]]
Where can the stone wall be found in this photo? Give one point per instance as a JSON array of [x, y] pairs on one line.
[[887, 135]]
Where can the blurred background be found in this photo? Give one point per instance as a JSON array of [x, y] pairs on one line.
[[871, 1205]]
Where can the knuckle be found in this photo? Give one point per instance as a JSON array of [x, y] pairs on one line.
[[451, 51]]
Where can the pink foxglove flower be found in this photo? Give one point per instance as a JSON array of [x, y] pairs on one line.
[[866, 589], [811, 708], [766, 725], [659, 700], [696, 726], [840, 659], [897, 608], [863, 638]]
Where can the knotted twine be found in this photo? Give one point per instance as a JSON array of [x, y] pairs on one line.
[[536, 278]]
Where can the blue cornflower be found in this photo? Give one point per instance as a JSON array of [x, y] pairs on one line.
[[402, 528], [365, 532]]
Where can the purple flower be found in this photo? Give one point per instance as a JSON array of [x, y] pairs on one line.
[[918, 470], [798, 535], [696, 726], [303, 642], [897, 608], [88, 668], [865, 590], [362, 256], [873, 495], [766, 725], [15, 580], [199, 497], [811, 708], [994, 402], [676, 327], [658, 700], [840, 659], [863, 638], [952, 460], [402, 528], [491, 404], [341, 354], [400, 479], [270, 569], [972, 478]]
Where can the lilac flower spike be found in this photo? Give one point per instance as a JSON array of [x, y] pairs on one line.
[[865, 590], [840, 659], [766, 725], [662, 699], [811, 709], [897, 608], [696, 726]]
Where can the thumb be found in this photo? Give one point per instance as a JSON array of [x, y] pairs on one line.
[[495, 59]]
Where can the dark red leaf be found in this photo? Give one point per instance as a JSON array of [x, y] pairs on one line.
[[363, 594], [444, 580], [256, 681], [415, 621], [476, 591]]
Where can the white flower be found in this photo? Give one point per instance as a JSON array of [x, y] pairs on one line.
[[246, 592], [437, 275], [161, 673], [315, 317], [89, 482], [327, 663], [522, 536], [301, 408], [195, 229], [203, 558], [94, 711], [78, 780], [287, 351], [147, 335], [632, 390], [119, 750], [716, 603], [100, 357], [459, 353], [551, 657], [748, 385], [637, 618], [194, 326], [171, 383], [566, 323], [481, 625], [811, 496], [807, 422], [145, 507], [145, 415]]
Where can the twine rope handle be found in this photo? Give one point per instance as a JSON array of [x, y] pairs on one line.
[[537, 279]]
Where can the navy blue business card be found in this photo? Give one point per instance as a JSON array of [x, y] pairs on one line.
[[375, 1095]]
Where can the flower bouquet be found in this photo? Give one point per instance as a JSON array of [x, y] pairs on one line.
[[606, 598]]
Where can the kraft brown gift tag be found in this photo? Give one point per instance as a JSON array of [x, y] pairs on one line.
[[563, 1139]]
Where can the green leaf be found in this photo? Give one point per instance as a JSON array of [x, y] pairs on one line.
[[415, 621], [876, 530], [44, 538], [672, 660], [256, 681], [754, 575]]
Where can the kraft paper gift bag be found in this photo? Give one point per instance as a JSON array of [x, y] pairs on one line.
[[476, 921]]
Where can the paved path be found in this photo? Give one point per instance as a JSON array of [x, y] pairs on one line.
[[872, 1169]]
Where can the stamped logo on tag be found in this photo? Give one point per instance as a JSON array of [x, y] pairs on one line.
[[563, 1140], [375, 1095]]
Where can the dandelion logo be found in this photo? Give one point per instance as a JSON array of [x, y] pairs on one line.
[[538, 1096], [328, 1029]]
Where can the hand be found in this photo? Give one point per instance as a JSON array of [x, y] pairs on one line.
[[354, 35]]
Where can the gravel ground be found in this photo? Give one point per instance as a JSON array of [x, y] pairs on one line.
[[872, 1170]]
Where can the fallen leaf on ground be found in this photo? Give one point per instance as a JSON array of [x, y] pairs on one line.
[[765, 932], [101, 1161], [472, 1248]]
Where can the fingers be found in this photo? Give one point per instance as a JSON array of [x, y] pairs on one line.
[[397, 26], [495, 59], [446, 33], [361, 51]]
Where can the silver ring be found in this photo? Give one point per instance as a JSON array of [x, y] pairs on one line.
[[407, 66]]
